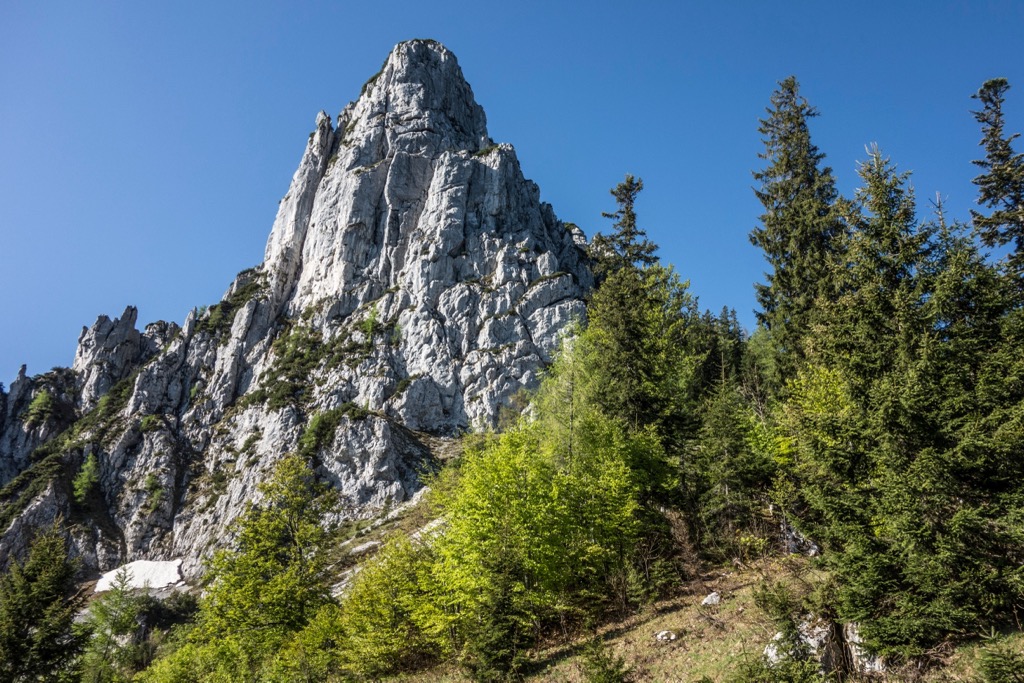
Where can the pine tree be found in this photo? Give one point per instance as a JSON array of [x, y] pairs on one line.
[[800, 229], [38, 602], [873, 317], [1001, 186], [907, 429]]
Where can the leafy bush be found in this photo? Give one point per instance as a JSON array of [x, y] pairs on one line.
[[264, 589], [155, 491], [87, 479], [218, 319], [388, 616], [297, 352], [150, 423], [322, 427], [42, 408]]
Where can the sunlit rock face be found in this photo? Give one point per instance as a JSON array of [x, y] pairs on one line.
[[413, 282]]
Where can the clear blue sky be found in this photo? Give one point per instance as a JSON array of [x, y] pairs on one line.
[[144, 146]]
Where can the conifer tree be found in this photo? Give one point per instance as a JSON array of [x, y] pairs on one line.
[[1001, 186], [874, 313], [639, 342], [800, 228], [113, 619], [38, 602], [627, 246]]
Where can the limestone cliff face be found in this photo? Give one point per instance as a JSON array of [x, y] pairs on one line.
[[413, 283]]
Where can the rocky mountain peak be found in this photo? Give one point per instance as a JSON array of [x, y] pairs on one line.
[[413, 283], [415, 108], [418, 103]]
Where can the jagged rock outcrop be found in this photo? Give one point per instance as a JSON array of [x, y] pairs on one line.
[[34, 411], [110, 350], [413, 282]]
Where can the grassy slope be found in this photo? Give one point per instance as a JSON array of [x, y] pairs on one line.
[[711, 641]]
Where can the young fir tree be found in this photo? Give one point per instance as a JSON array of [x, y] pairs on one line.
[[111, 655], [38, 602], [1001, 186], [844, 404], [800, 229], [906, 430], [944, 551]]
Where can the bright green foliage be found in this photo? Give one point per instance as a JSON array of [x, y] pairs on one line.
[[540, 525], [315, 653], [387, 612], [223, 660], [266, 588], [113, 621], [800, 231], [559, 526], [827, 458], [42, 408], [38, 602], [369, 325], [274, 577], [1001, 186], [87, 479]]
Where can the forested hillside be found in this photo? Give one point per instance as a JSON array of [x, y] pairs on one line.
[[873, 424]]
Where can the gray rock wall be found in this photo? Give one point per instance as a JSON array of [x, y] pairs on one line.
[[413, 282]]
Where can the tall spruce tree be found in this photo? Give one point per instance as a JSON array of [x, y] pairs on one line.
[[627, 246], [639, 329], [1001, 186], [800, 227], [38, 602], [873, 316]]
